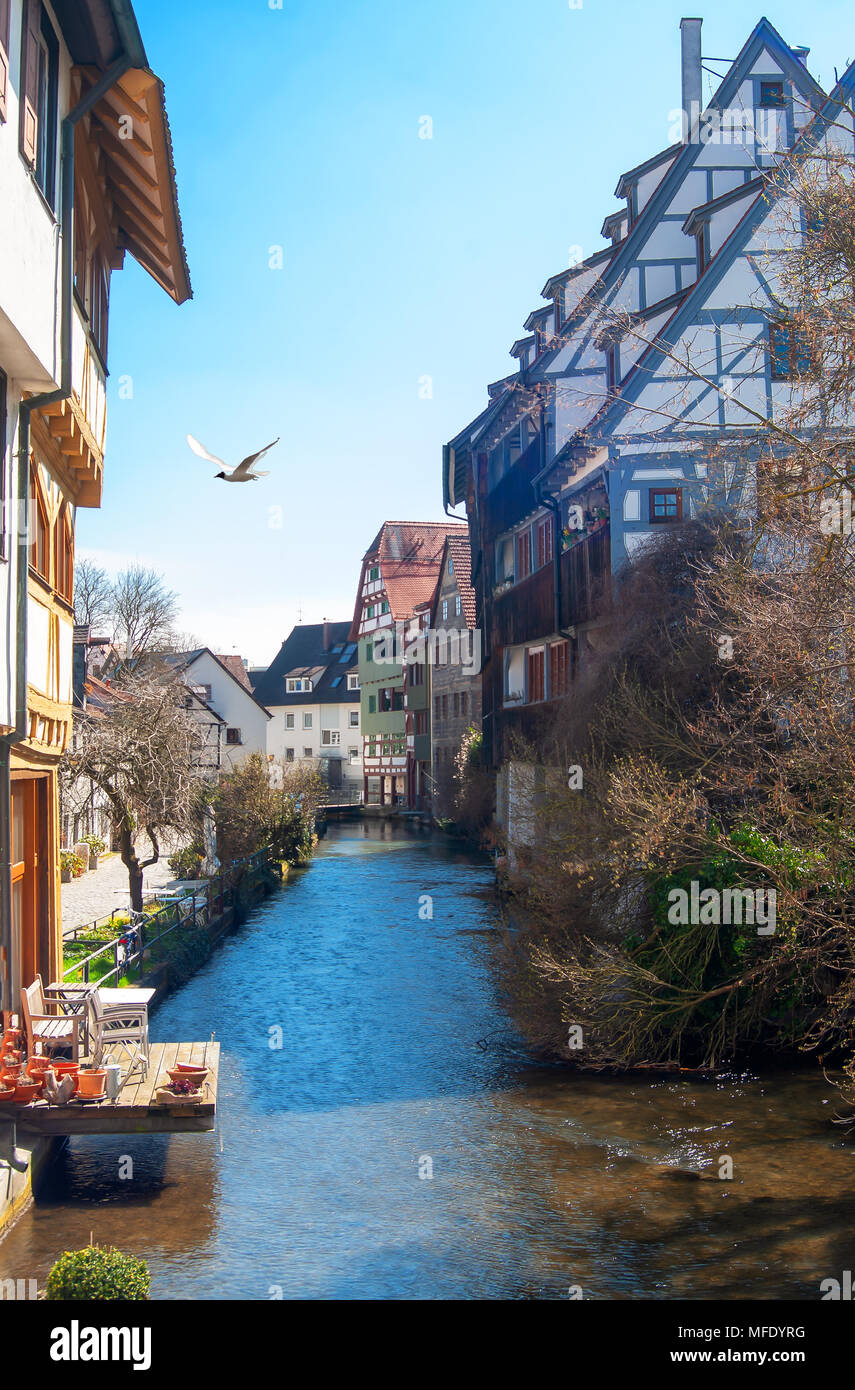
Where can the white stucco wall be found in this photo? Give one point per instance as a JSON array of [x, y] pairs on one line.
[[323, 716], [234, 704]]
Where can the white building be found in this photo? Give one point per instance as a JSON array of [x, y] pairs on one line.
[[86, 177], [223, 684], [311, 689]]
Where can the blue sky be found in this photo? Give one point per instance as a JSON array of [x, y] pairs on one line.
[[402, 259]]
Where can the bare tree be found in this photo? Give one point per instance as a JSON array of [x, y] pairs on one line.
[[144, 611], [93, 595], [143, 753]]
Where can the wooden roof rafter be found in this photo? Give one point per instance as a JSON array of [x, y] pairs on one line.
[[130, 131]]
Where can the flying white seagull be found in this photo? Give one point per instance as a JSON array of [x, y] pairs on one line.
[[244, 473]]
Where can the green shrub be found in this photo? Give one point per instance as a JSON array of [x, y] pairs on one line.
[[186, 863], [93, 1273], [69, 860], [95, 843]]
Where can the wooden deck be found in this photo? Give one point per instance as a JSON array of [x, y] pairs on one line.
[[136, 1110]]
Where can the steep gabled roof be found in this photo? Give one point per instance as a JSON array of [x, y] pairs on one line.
[[182, 662], [304, 652], [766, 192], [457, 549], [409, 554]]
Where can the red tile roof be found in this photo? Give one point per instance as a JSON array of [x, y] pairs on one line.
[[410, 556], [461, 557], [237, 668]]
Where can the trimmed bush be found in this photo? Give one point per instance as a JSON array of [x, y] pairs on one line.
[[93, 1273]]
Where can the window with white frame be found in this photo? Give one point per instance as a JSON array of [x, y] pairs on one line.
[[353, 754], [354, 719], [307, 721], [295, 684], [330, 738], [289, 721], [353, 682]]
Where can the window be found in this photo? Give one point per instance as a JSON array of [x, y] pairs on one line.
[[370, 610], [233, 736], [307, 721], [445, 706], [353, 682], [666, 504], [289, 755], [369, 651], [420, 721], [450, 565], [354, 719], [464, 700], [771, 94], [353, 754], [307, 753], [417, 673], [294, 685], [523, 554], [445, 610], [544, 542], [289, 721], [335, 682], [384, 607], [5, 11], [330, 738], [39, 531], [373, 573], [559, 669], [437, 706], [456, 704], [64, 555], [536, 665], [98, 303], [372, 704], [348, 653], [788, 352], [458, 606], [38, 105]]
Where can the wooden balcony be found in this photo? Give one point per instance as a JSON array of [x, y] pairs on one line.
[[526, 611]]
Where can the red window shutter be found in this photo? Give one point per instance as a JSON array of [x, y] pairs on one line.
[[5, 8], [30, 82]]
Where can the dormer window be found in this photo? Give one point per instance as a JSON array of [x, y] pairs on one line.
[[771, 94]]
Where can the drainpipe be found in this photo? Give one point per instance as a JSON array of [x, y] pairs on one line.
[[9, 964], [547, 500]]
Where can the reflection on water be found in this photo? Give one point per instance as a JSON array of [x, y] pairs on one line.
[[396, 1060]]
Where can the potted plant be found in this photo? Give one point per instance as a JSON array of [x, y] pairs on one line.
[[97, 847], [81, 849], [70, 865]]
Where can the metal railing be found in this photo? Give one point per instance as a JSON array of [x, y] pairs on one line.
[[195, 907]]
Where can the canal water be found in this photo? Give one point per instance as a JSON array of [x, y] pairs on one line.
[[399, 1145]]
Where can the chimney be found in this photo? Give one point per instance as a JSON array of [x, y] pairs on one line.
[[327, 636], [800, 52], [690, 66]]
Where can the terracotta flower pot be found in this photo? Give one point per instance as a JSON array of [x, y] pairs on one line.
[[10, 1071], [68, 1069], [37, 1066], [7, 1093], [27, 1091], [182, 1072], [90, 1084]]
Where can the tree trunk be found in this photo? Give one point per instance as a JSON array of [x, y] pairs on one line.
[[133, 866]]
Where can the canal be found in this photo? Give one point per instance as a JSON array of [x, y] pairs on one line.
[[399, 1145]]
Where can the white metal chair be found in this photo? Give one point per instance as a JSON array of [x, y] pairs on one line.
[[52, 1030], [123, 1026]]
